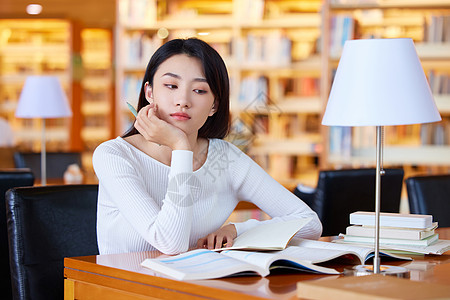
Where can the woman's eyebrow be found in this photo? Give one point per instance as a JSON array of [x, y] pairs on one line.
[[200, 79], [171, 75]]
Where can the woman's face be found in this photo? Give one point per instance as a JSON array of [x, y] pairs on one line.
[[182, 94]]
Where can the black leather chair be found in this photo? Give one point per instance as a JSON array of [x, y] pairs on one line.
[[430, 195], [8, 179], [46, 224], [7, 157], [57, 162], [341, 192]]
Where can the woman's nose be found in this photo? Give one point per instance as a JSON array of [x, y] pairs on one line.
[[183, 99]]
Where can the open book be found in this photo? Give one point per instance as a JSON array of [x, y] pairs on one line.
[[268, 236], [207, 264]]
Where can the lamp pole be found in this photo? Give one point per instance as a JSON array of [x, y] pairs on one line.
[[43, 156], [379, 173]]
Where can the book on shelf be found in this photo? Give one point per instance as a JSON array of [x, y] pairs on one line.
[[253, 92], [371, 287], [392, 232], [138, 47], [392, 219], [302, 255], [341, 141], [342, 29], [252, 11], [436, 30], [387, 241], [139, 13], [271, 48]]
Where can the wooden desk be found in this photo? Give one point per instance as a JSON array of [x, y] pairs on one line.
[[120, 276]]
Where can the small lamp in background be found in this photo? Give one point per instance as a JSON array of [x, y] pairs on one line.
[[379, 82], [43, 97]]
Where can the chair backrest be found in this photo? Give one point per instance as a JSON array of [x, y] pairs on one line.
[[341, 192], [46, 224], [9, 179], [7, 157], [57, 162], [430, 195]]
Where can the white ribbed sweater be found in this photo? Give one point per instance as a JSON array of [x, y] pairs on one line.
[[144, 205]]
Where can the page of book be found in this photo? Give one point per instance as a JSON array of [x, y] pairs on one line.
[[291, 257], [362, 253], [201, 264], [269, 236]]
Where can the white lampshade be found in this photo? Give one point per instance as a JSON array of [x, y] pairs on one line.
[[43, 97], [380, 82]]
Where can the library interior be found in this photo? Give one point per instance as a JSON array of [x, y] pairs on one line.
[[281, 57]]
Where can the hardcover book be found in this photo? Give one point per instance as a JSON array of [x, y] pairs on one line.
[[385, 241], [392, 219], [392, 232], [438, 248]]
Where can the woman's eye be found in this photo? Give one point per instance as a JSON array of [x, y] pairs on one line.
[[171, 86], [201, 92]]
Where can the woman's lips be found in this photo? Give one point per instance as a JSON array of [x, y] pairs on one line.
[[180, 116]]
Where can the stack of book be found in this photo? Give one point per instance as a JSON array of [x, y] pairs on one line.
[[395, 229]]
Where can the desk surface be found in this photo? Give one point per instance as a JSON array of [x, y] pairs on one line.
[[120, 276]]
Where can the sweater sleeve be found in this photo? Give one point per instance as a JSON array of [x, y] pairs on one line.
[[254, 185], [166, 227]]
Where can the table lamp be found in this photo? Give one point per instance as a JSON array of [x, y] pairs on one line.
[[379, 82], [43, 97]]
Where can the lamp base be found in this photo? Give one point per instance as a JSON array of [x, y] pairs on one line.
[[362, 270]]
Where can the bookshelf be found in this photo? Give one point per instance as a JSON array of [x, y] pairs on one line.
[[271, 50], [34, 47], [97, 106], [428, 24]]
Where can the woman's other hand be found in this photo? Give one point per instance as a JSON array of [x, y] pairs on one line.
[[223, 237]]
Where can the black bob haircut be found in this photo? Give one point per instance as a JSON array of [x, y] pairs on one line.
[[217, 125]]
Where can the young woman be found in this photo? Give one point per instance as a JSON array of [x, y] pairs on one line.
[[171, 182]]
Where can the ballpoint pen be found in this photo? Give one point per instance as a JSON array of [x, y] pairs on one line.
[[132, 109]]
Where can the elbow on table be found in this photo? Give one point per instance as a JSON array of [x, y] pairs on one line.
[[173, 249], [314, 230], [319, 231]]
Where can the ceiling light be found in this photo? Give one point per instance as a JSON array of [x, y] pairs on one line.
[[163, 33], [34, 9]]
